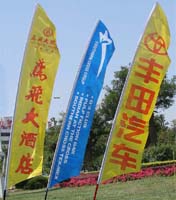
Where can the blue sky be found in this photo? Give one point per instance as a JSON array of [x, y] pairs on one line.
[[75, 21]]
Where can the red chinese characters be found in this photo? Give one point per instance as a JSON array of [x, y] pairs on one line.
[[122, 155], [130, 127], [44, 43], [149, 70], [35, 94], [25, 165], [29, 138], [138, 103], [38, 70], [140, 99], [30, 117]]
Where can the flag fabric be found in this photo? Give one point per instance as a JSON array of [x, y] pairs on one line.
[[36, 82], [74, 134], [130, 128]]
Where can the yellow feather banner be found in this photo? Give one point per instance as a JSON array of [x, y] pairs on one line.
[[130, 130], [36, 82]]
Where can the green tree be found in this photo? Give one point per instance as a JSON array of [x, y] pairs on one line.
[[112, 94], [96, 143], [165, 100], [51, 139]]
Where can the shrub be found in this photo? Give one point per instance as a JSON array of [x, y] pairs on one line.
[[37, 183], [21, 185], [33, 183], [159, 153]]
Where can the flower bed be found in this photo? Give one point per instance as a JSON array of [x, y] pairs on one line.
[[144, 173], [82, 179], [91, 178]]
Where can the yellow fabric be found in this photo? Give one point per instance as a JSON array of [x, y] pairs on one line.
[[36, 82], [130, 130]]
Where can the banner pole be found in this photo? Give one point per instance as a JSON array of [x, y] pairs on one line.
[[46, 193], [96, 190], [4, 195]]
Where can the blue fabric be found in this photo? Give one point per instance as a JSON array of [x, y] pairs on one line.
[[74, 134]]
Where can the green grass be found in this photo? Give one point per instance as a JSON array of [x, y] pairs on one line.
[[155, 188]]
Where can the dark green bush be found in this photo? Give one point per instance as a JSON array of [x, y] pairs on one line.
[[33, 183], [160, 152], [21, 185]]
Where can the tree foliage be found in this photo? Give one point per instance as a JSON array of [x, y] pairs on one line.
[[166, 94], [112, 94], [96, 143], [51, 139]]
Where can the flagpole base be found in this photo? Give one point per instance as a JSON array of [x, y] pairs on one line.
[[4, 195], [96, 190], [46, 193]]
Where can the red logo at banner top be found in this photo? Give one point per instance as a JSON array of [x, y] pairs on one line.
[[48, 32], [155, 43]]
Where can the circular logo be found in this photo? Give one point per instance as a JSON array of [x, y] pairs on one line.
[[155, 43], [48, 32]]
